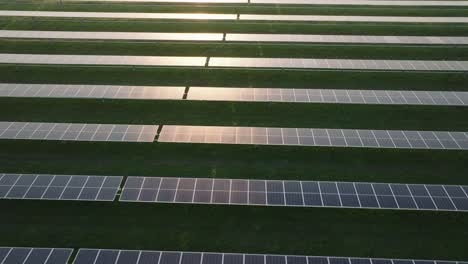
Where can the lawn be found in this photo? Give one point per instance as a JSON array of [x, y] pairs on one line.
[[220, 228], [340, 232]]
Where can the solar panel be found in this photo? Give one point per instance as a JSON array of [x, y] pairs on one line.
[[296, 193], [399, 65], [298, 63], [111, 35], [91, 91], [234, 37], [361, 2], [252, 17], [117, 256], [308, 2], [328, 96], [315, 137], [393, 19], [125, 15], [77, 132], [102, 60], [59, 187], [10, 255]]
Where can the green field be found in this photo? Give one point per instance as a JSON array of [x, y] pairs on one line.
[[219, 228]]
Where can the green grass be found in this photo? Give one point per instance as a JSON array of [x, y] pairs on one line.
[[236, 49], [235, 113], [402, 29], [235, 161], [341, 232], [237, 8], [235, 77]]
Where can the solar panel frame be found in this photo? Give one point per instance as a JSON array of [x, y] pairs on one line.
[[77, 132], [29, 255], [234, 62], [297, 193], [390, 97], [234, 37], [87, 255], [91, 91], [314, 137], [59, 187], [345, 64]]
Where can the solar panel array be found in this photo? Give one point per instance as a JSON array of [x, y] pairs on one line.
[[112, 35], [359, 2], [308, 2], [10, 255], [346, 39], [235, 37], [90, 91], [124, 15], [315, 137], [77, 132], [111, 256], [59, 187], [297, 63], [296, 193], [345, 64], [242, 17], [392, 19], [328, 96], [102, 60], [235, 94]]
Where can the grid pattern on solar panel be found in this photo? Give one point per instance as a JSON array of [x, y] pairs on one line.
[[346, 39], [59, 187], [102, 60], [346, 64], [328, 96], [429, 40], [296, 193], [394, 19], [111, 256], [242, 17], [118, 15], [77, 132], [294, 63], [90, 91], [10, 255], [315, 137], [111, 35], [310, 2], [363, 2]]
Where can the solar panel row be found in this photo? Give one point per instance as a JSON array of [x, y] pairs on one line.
[[394, 19], [77, 132], [361, 2], [235, 94], [59, 187], [293, 63], [234, 37], [90, 91], [246, 17], [328, 96], [10, 255], [315, 137], [346, 39], [345, 64], [102, 60], [307, 2], [296, 193], [110, 256]]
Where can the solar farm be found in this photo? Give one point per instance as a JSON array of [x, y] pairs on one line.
[[234, 131]]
